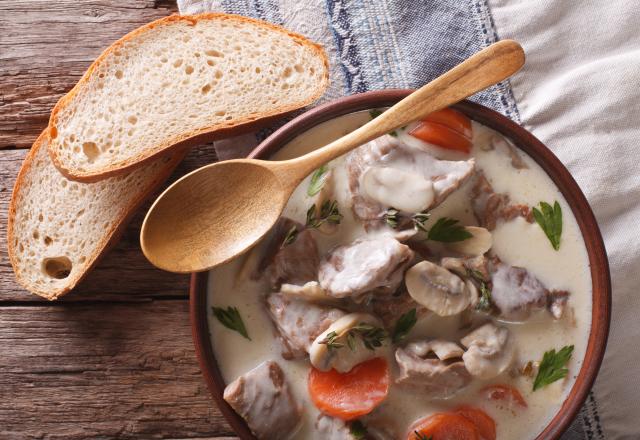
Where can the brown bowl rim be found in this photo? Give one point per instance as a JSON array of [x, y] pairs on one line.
[[601, 282]]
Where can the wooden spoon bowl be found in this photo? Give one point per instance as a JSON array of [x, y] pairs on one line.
[[601, 283]]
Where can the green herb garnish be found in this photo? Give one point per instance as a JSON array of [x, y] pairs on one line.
[[331, 341], [421, 436], [372, 337], [329, 213], [404, 325], [291, 236], [357, 429], [317, 180], [391, 217], [552, 367], [231, 319], [419, 220], [484, 303], [550, 220], [448, 230]]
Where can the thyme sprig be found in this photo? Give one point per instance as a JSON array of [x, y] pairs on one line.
[[329, 213], [372, 337]]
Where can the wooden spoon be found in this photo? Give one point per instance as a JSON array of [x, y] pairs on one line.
[[220, 210]]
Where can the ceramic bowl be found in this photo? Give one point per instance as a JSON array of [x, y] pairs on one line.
[[525, 141]]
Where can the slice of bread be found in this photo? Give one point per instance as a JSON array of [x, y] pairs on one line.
[[178, 81], [58, 228]]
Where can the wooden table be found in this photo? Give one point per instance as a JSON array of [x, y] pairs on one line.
[[113, 359]]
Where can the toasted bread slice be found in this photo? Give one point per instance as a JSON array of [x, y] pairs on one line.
[[178, 81], [58, 228]]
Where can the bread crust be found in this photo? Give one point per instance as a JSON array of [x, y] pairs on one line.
[[109, 238], [186, 139]]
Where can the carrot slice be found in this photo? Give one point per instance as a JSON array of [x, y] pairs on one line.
[[452, 119], [506, 394], [348, 396], [484, 423], [443, 426], [442, 136]]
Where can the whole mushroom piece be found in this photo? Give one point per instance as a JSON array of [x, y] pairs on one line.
[[490, 351], [438, 289]]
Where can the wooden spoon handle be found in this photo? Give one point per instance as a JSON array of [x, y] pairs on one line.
[[487, 67]]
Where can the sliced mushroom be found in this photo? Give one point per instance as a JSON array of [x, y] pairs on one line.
[[490, 351], [404, 190], [344, 357], [480, 242], [462, 266], [437, 289], [310, 291], [440, 375]]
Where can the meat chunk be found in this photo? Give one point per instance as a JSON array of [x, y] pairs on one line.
[[366, 265], [299, 322], [388, 152], [263, 398], [293, 263], [517, 293], [390, 308], [489, 206], [434, 368], [490, 351]]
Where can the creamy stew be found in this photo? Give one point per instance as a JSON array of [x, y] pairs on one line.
[[415, 288]]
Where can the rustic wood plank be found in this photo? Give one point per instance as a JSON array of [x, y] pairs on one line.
[[45, 46], [124, 274], [113, 371]]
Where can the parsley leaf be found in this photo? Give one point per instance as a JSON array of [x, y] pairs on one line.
[[358, 430], [448, 230], [421, 436], [552, 367], [329, 213], [231, 319], [291, 236], [550, 220], [317, 180], [404, 325]]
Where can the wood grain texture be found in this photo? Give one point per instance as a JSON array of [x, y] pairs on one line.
[[113, 359], [114, 371], [45, 46]]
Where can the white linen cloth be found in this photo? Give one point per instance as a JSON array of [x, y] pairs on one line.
[[579, 93]]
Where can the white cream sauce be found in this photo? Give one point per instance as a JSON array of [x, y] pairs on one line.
[[516, 242]]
